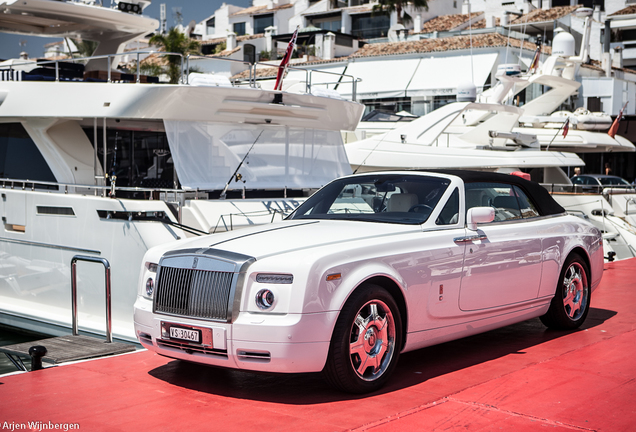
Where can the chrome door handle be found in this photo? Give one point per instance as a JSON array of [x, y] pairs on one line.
[[469, 239]]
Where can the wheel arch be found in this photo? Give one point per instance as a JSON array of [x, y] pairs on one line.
[[580, 251]]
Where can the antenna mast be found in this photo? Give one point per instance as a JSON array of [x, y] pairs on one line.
[[162, 15]]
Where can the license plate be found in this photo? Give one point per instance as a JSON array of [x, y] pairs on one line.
[[185, 334]]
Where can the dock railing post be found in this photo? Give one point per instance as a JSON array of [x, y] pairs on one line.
[[106, 264]]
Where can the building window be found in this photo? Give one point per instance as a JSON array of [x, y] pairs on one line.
[[592, 3], [440, 101], [209, 26], [387, 105], [331, 23], [594, 104], [344, 40], [261, 22], [239, 28], [368, 26]]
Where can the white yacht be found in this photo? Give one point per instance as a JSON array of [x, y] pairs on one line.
[[491, 134], [99, 163]]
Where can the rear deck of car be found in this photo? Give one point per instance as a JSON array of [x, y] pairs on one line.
[[522, 377]]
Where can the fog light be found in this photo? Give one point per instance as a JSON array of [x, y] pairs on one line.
[[150, 287], [265, 299]]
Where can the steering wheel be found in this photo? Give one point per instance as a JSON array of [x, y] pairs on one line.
[[415, 208]]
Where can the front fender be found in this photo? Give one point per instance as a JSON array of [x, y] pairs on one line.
[[333, 294]]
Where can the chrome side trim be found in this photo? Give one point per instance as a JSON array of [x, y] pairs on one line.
[[51, 246]]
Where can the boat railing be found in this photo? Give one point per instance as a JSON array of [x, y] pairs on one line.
[[14, 72], [605, 190], [172, 197], [112, 191], [335, 79]]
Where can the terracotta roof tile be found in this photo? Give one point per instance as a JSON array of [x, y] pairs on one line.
[[446, 22], [265, 72], [257, 10], [482, 24], [629, 10], [238, 39], [155, 59], [61, 42], [421, 46], [276, 8], [438, 45], [249, 10], [358, 9], [225, 53], [540, 15]]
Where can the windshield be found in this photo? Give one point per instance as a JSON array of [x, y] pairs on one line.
[[404, 199]]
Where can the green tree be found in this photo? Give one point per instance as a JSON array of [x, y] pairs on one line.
[[85, 48], [220, 48], [397, 6], [175, 42]]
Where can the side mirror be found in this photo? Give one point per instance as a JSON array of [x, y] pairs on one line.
[[477, 215]]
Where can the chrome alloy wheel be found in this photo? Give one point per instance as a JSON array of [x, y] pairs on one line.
[[575, 291], [372, 341]]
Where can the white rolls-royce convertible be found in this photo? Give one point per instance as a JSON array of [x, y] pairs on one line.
[[370, 266]]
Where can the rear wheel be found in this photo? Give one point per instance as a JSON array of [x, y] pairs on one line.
[[366, 341], [571, 303]]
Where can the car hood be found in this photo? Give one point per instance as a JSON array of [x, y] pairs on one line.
[[289, 236]]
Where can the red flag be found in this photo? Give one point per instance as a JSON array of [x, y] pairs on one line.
[[614, 128], [535, 60], [283, 63], [566, 127]]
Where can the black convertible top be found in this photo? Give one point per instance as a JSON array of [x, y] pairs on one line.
[[546, 205]]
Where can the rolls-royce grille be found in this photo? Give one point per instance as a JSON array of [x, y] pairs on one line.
[[193, 293]]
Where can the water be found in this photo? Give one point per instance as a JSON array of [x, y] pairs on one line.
[[12, 335]]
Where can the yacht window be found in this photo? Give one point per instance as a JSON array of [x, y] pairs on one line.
[[19, 156], [143, 156]]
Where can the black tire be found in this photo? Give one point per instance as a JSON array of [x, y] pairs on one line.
[[366, 341], [571, 302]]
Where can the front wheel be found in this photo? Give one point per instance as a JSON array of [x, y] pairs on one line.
[[366, 341], [571, 302]]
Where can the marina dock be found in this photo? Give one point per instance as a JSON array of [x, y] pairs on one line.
[[521, 377]]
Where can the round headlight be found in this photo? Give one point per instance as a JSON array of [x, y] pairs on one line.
[[150, 287], [265, 299]]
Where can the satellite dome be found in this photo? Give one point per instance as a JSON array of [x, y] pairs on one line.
[[563, 43]]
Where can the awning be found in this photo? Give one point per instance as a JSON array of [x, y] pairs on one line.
[[384, 78], [431, 76], [441, 75]]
